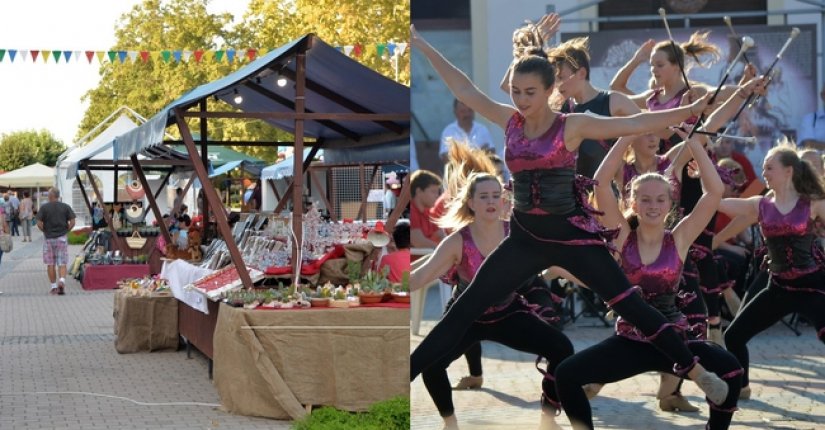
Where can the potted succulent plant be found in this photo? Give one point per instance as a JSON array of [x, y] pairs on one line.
[[373, 286], [401, 292]]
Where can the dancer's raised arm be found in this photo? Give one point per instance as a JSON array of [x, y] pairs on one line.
[[460, 85], [605, 197], [585, 126], [689, 228], [446, 255]]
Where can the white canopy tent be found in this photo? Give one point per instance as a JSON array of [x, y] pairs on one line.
[[32, 176]]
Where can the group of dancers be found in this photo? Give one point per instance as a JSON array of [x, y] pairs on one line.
[[648, 233]]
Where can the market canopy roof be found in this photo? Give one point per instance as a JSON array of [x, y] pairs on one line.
[[98, 148], [335, 83], [283, 168], [31, 176]]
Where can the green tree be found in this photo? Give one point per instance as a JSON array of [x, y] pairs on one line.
[[339, 23], [21, 148], [156, 25]]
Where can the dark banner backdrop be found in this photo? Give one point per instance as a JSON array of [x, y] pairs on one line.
[[793, 93]]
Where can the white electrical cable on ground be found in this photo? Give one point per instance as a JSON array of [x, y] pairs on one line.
[[84, 393]]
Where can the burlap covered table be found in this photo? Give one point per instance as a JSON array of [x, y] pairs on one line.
[[145, 323], [275, 363]]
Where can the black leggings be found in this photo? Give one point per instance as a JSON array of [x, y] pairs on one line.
[[521, 256], [522, 331], [769, 306], [617, 358], [473, 356]]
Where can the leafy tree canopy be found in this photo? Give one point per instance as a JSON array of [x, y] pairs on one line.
[[21, 148]]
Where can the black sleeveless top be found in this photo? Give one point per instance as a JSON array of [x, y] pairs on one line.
[[591, 152]]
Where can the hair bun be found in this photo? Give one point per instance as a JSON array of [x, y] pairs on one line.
[[533, 50]]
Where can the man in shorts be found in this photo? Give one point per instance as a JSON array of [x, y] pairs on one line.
[[55, 219]]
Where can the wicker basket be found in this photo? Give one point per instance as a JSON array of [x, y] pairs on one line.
[[136, 241]]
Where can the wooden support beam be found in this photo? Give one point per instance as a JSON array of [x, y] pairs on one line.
[[211, 197], [119, 243]]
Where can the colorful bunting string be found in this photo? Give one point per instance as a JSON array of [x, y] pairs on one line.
[[179, 56]]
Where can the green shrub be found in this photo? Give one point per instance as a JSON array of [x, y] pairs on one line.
[[393, 414], [78, 237]]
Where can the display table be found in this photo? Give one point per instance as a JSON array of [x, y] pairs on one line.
[[145, 323], [106, 276], [274, 363]]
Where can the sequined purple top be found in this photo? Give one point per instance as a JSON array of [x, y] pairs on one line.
[[653, 103], [658, 281], [794, 223], [543, 152], [789, 238], [471, 258]]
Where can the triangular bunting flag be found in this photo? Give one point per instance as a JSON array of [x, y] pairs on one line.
[[34, 53], [219, 55], [230, 55], [187, 55], [339, 49], [24, 54], [90, 55], [100, 55], [401, 47], [198, 55], [77, 56], [45, 55], [166, 55], [2, 54], [12, 54], [144, 55], [391, 48], [357, 49], [56, 55], [348, 50], [112, 55], [380, 49], [121, 55], [67, 55], [250, 54], [262, 52], [176, 55], [132, 55], [155, 56]]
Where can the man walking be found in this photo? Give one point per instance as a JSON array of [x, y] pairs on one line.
[[55, 219]]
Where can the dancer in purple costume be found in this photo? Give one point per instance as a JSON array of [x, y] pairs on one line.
[[652, 258], [788, 217], [551, 223], [475, 213]]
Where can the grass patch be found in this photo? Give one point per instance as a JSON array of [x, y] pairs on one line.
[[78, 237], [393, 414]]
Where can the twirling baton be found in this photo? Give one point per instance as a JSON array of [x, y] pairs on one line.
[[663, 14], [794, 33], [735, 36], [747, 42], [751, 101]]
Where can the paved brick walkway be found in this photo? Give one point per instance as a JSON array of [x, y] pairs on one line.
[[787, 379], [52, 348]]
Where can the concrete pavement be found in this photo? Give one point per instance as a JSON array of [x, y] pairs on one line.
[[787, 379], [59, 368]]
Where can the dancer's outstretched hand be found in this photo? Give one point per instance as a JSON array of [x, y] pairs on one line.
[[642, 55], [548, 26], [415, 38], [747, 74]]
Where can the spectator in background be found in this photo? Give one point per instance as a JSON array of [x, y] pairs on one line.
[[55, 219], [465, 129], [14, 213], [399, 260], [26, 215], [813, 157], [425, 186], [811, 132]]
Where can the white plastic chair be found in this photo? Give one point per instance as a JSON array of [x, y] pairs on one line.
[[418, 297]]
